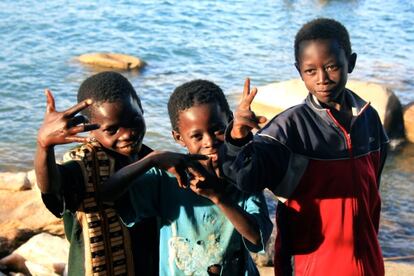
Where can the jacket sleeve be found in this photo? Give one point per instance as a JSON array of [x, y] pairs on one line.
[[259, 162], [255, 205]]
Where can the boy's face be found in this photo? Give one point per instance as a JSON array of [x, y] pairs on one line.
[[122, 126], [324, 68], [201, 130]]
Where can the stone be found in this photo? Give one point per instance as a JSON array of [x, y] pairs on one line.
[[22, 215], [43, 254], [31, 176], [273, 98], [409, 122], [14, 181], [113, 60]]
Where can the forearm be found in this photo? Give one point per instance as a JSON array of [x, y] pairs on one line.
[[118, 184], [241, 220], [48, 176]]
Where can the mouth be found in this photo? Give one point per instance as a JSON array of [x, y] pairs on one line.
[[213, 156], [128, 146]]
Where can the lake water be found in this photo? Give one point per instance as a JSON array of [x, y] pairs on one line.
[[220, 41]]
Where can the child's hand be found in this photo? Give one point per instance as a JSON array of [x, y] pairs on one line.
[[209, 186], [180, 165], [63, 127], [244, 118]]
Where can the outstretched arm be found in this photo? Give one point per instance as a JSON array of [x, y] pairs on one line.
[[57, 128], [175, 163]]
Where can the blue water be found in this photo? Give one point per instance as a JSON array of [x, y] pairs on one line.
[[220, 41]]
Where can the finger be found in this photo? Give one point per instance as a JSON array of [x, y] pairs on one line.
[[195, 174], [261, 119], [182, 177], [82, 128], [210, 165], [50, 101], [196, 157], [246, 89], [251, 96], [78, 107], [248, 122], [76, 121], [77, 139]]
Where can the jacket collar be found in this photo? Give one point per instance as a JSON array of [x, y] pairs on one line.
[[358, 105]]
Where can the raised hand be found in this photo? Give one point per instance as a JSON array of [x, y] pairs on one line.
[[244, 118], [63, 127]]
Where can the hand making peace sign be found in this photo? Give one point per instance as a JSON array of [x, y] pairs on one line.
[[244, 118], [63, 127]]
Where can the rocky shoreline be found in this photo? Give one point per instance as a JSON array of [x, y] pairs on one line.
[[32, 239]]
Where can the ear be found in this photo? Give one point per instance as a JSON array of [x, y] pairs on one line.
[[178, 138], [298, 68], [351, 62]]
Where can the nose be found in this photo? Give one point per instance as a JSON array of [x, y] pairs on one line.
[[125, 133], [208, 140], [323, 77]]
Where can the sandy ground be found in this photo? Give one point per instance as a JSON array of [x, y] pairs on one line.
[[391, 269]]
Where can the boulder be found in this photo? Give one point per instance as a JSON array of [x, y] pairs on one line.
[[112, 60], [276, 97], [14, 181], [43, 254], [22, 215], [31, 176], [409, 122]]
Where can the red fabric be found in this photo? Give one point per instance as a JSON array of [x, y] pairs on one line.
[[331, 222]]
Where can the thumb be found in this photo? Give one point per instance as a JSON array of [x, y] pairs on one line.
[[261, 119]]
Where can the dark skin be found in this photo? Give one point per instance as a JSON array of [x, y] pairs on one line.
[[201, 130], [324, 68], [118, 126]]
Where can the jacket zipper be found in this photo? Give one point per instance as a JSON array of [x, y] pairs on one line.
[[344, 132]]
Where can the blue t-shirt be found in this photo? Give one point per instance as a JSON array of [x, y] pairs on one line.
[[194, 233]]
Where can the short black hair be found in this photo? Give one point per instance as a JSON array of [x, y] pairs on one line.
[[106, 86], [323, 28], [194, 93]]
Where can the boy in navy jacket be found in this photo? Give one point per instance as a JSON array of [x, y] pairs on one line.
[[322, 158]]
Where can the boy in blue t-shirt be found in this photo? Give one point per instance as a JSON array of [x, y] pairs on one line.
[[209, 228]]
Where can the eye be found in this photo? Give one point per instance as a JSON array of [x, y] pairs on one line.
[[331, 68], [110, 131], [310, 71], [196, 137]]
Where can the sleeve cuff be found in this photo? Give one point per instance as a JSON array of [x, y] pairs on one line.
[[256, 248], [236, 144]]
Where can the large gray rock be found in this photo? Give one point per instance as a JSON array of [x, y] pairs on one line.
[[276, 97]]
